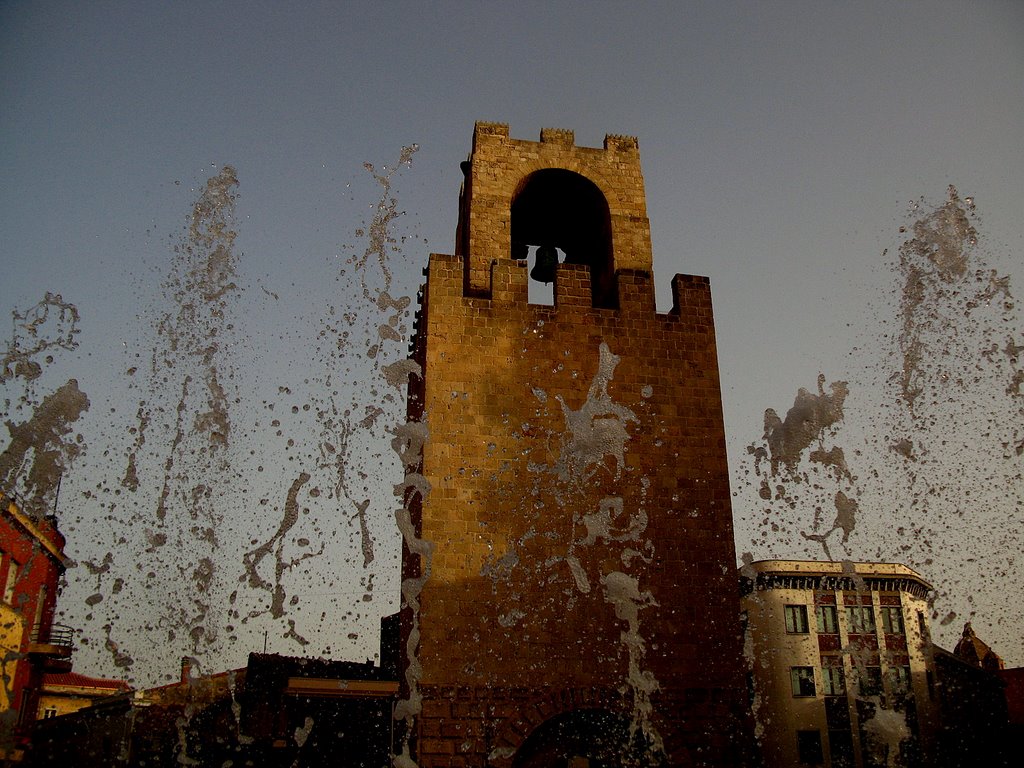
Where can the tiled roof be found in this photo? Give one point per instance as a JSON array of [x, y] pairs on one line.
[[82, 681]]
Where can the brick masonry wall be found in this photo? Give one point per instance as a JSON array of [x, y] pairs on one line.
[[562, 575]]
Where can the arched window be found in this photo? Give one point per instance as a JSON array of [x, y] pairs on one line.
[[558, 209]]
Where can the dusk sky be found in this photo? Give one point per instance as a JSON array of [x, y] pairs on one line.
[[784, 145]]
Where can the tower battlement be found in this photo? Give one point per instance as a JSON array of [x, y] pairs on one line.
[[509, 281]]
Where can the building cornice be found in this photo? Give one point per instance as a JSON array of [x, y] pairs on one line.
[[832, 576]]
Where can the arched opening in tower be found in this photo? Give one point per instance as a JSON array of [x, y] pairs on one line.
[[565, 217]]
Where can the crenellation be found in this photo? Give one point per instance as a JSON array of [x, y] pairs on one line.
[[483, 128], [617, 143], [563, 136], [572, 286], [636, 293], [510, 282]]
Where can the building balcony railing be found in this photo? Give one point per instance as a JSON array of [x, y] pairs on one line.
[[54, 645], [60, 635]]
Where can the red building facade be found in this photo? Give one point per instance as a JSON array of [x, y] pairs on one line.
[[31, 564]]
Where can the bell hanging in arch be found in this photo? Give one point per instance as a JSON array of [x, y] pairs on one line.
[[544, 267]]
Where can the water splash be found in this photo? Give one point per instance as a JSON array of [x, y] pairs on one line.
[[352, 424], [623, 593], [382, 243], [919, 460], [362, 341], [409, 440], [43, 447], [597, 430], [588, 462], [953, 426], [811, 419], [275, 545], [932, 264], [798, 464], [175, 484], [171, 519], [51, 323]]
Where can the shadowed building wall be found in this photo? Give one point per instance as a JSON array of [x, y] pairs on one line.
[[579, 506]]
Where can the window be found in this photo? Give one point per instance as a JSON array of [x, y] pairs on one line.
[[796, 619], [860, 619], [12, 576], [870, 681], [802, 680], [899, 682], [837, 713], [808, 747], [49, 712], [25, 712], [833, 681], [892, 620], [828, 619], [840, 746], [37, 620]]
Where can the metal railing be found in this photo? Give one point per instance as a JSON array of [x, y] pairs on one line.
[[60, 635]]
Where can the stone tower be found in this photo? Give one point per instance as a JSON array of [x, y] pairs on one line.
[[580, 605]]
